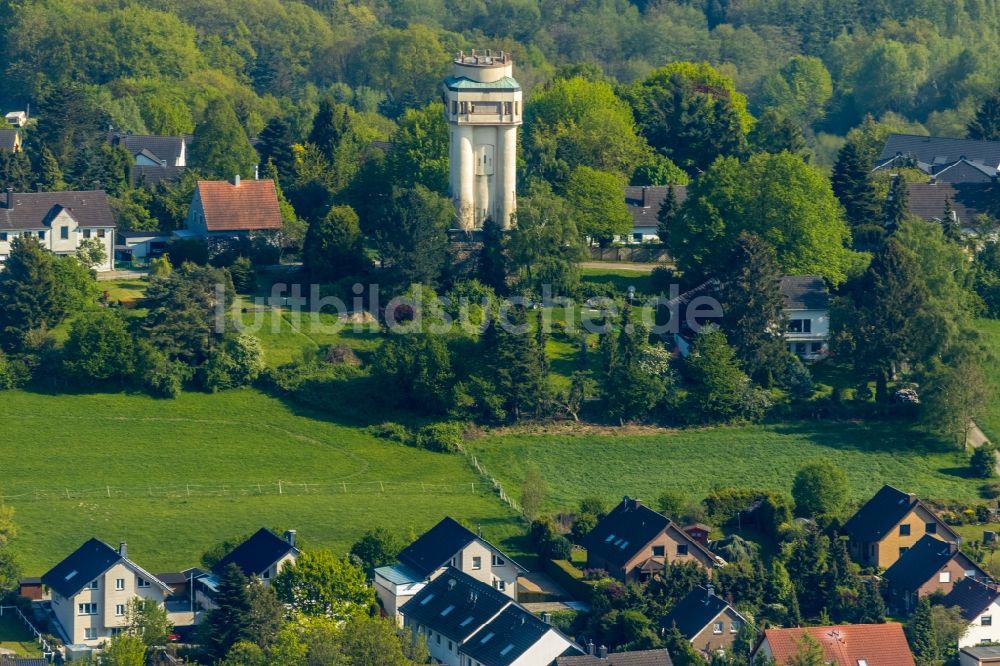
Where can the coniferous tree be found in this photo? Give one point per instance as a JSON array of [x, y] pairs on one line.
[[514, 364], [229, 622], [852, 185], [412, 236], [329, 127], [719, 385], [332, 248], [293, 230], [753, 308], [682, 653], [492, 268], [986, 125], [920, 633], [220, 148], [775, 132], [794, 617], [275, 145], [630, 391], [30, 295], [666, 213], [48, 173], [896, 205], [952, 229], [871, 606]]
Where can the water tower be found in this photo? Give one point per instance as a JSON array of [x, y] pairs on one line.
[[483, 105]]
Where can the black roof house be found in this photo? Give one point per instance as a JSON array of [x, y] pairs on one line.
[[643, 202], [435, 547], [934, 155], [633, 658], [8, 139], [805, 292], [967, 200], [455, 604], [881, 514], [166, 150], [695, 611], [256, 555], [85, 564], [507, 636], [918, 564], [972, 596]]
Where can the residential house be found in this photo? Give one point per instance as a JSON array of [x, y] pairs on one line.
[[945, 159], [643, 203], [32, 588], [980, 606], [469, 623], [60, 221], [9, 660], [17, 118], [604, 658], [10, 140], [634, 543], [980, 655], [699, 532], [889, 524], [966, 201], [447, 544], [705, 619], [843, 645], [155, 158], [224, 209], [261, 556], [929, 566], [807, 309], [140, 245], [91, 589]]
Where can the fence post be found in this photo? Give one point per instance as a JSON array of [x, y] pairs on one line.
[[109, 491], [279, 487], [381, 487], [344, 483]]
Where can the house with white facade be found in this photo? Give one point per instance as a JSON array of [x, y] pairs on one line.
[[262, 556], [91, 590], [469, 623], [643, 203], [232, 209], [60, 221], [154, 158], [447, 544], [980, 605], [807, 310]]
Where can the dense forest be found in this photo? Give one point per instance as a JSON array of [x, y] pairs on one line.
[[153, 66]]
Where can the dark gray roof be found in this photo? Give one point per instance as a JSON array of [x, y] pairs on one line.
[[81, 567], [166, 148], [23, 661], [968, 200], [7, 139], [918, 564], [637, 658], [971, 596], [643, 202], [173, 578], [983, 652], [455, 605], [694, 612], [964, 171], [436, 546], [882, 513], [805, 292], [150, 176], [33, 210], [257, 553], [940, 150], [506, 637], [630, 526]]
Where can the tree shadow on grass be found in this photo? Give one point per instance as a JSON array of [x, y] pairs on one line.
[[885, 436], [960, 472]]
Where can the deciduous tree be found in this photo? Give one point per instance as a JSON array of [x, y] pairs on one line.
[[320, 584]]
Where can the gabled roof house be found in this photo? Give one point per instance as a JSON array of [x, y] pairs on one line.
[[632, 658], [633, 543], [447, 544], [980, 606], [889, 524], [91, 589], [643, 203], [807, 311], [953, 160], [930, 566], [705, 619], [263, 555], [10, 140], [232, 208], [843, 645], [468, 623]]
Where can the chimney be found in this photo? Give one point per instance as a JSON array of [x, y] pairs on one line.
[[290, 534], [9, 199], [547, 617], [39, 187], [590, 647], [602, 652], [645, 197], [123, 549], [711, 591], [256, 172], [236, 180]]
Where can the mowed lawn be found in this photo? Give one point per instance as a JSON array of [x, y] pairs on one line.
[[693, 462], [990, 330], [64, 455]]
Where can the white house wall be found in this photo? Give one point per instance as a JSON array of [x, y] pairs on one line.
[[544, 651], [53, 241], [977, 633]]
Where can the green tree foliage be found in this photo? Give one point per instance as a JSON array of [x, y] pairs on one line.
[[820, 488], [237, 362], [774, 133], [229, 622], [753, 308], [320, 584], [986, 124], [983, 461], [691, 113], [267, 613], [576, 123], [377, 547], [419, 154], [514, 366], [412, 236], [545, 245], [801, 220], [920, 634], [800, 89], [408, 64], [418, 366], [719, 387], [808, 653], [275, 146], [596, 199], [99, 348], [896, 204], [665, 215], [635, 383], [148, 619], [955, 394], [30, 295], [220, 148], [124, 650], [492, 269], [852, 184], [333, 246]]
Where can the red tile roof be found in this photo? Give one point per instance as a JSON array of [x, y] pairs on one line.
[[253, 204], [846, 645]]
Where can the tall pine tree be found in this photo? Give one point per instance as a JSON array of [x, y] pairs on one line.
[[513, 363], [666, 213], [853, 186], [220, 148], [229, 622], [920, 634], [896, 204], [492, 268], [30, 295], [986, 125]]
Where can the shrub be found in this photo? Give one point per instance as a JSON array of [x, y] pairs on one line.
[[671, 503], [243, 274], [392, 431], [13, 372], [797, 379], [239, 361], [182, 250], [990, 490], [819, 488], [558, 548], [983, 461], [582, 526], [159, 375], [445, 437], [661, 278]]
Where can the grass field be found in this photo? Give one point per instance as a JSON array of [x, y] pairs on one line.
[[694, 462], [15, 636], [991, 334], [620, 278], [149, 454]]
